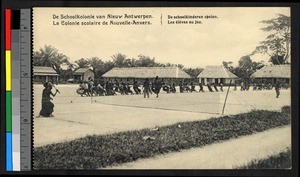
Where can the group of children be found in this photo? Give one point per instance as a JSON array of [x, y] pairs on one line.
[[90, 88], [108, 88]]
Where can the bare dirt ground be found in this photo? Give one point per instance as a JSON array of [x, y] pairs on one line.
[[77, 116], [224, 155]]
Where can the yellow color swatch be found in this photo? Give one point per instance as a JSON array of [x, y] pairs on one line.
[[8, 69]]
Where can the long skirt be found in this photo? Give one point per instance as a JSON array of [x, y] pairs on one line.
[[47, 109]]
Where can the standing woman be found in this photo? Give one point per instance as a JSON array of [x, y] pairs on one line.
[[146, 88], [157, 85], [47, 105]]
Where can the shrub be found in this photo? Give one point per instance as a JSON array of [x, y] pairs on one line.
[[286, 109], [93, 152], [282, 160]]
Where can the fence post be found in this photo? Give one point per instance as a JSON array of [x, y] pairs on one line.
[[226, 97]]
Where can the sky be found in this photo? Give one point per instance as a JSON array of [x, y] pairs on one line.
[[234, 33]]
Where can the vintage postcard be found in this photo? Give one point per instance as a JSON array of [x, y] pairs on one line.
[[161, 88]]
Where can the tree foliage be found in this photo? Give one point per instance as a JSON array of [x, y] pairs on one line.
[[193, 72], [144, 61], [50, 57], [108, 65], [97, 65], [82, 63], [277, 43], [246, 67], [121, 60]]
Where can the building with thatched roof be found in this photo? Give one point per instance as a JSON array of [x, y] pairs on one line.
[[273, 73], [44, 74], [216, 74], [82, 74], [168, 74]]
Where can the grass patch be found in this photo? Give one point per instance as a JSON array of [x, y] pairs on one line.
[[92, 152], [279, 161]]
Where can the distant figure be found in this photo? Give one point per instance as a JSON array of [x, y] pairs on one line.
[[221, 87], [186, 87], [235, 86], [83, 89], [157, 86], [209, 87], [270, 86], [254, 86], [111, 88], [151, 87], [146, 88], [277, 89], [136, 88], [100, 90], [107, 88], [201, 87], [117, 86], [173, 88], [215, 86], [123, 88], [90, 86], [242, 86], [180, 87], [247, 86], [193, 87], [47, 105], [128, 89], [166, 88]]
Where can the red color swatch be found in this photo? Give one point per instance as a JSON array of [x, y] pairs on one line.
[[7, 29]]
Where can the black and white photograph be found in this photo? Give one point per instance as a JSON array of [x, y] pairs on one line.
[[161, 88]]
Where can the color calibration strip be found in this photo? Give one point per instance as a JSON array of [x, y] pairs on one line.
[[13, 64], [8, 103]]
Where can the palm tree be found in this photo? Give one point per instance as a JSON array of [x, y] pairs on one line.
[[82, 63], [96, 64], [121, 60], [49, 56]]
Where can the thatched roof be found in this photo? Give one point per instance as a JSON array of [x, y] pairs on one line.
[[80, 71], [147, 72], [273, 71], [44, 71], [216, 72]]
